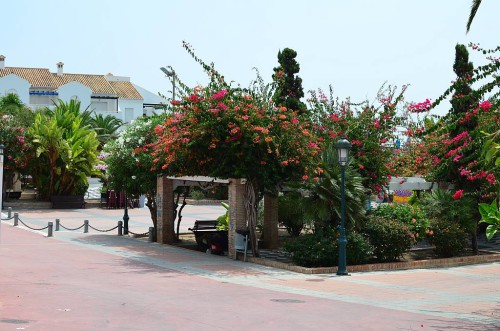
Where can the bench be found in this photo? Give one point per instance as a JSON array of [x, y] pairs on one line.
[[68, 201], [205, 231]]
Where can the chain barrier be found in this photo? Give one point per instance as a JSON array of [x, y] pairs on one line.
[[29, 227], [90, 226], [7, 219], [69, 229], [138, 235], [58, 224]]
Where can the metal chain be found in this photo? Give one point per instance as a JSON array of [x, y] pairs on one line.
[[7, 219], [69, 229], [29, 227], [145, 234], [90, 226]]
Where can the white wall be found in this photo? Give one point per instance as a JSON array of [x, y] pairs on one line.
[[14, 83], [134, 106], [74, 89]]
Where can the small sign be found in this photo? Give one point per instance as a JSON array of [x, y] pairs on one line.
[[402, 196]]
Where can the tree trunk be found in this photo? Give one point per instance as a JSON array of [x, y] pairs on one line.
[[151, 204], [251, 211], [179, 215]]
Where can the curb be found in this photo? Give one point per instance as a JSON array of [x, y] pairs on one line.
[[421, 264]]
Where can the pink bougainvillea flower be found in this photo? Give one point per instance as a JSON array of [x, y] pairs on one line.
[[420, 107], [485, 105], [491, 179], [458, 194]]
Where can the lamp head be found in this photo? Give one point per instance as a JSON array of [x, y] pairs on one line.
[[343, 147], [167, 72]]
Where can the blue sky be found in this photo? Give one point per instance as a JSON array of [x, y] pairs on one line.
[[354, 45]]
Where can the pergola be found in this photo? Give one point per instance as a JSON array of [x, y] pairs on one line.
[[237, 214]]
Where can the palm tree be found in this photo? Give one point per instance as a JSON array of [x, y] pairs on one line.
[[66, 150], [106, 127], [325, 200], [473, 10]]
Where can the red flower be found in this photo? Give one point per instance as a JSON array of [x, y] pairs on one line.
[[458, 194]]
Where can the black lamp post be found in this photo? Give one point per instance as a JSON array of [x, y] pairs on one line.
[[343, 147], [125, 212]]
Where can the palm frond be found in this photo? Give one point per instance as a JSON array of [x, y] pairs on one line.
[[473, 10]]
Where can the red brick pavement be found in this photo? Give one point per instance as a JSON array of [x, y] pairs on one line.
[[77, 281]]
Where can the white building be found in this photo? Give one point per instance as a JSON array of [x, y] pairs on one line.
[[104, 94]]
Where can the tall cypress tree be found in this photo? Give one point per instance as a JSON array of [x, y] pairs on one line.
[[463, 99], [289, 86]]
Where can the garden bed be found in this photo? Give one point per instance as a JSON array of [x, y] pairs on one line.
[[419, 258]]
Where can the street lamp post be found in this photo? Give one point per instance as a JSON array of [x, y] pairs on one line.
[[125, 212], [343, 147], [170, 73]]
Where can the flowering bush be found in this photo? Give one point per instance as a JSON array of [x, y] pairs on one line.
[[371, 129], [225, 133], [128, 156], [13, 137], [457, 155]]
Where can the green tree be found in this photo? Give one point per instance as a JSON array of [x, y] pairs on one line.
[[288, 84]]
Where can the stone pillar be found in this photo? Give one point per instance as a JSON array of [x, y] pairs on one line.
[[165, 211], [237, 213], [270, 231]]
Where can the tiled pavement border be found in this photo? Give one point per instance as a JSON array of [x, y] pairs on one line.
[[488, 257]]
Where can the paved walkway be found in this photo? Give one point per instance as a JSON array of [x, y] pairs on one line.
[[76, 281]]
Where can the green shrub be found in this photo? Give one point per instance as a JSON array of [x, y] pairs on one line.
[[311, 250], [359, 249], [314, 250], [291, 212], [448, 238], [411, 216], [390, 239], [197, 194]]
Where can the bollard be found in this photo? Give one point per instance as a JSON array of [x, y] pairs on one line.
[[49, 229], [9, 212], [151, 237], [16, 219], [120, 228], [57, 224], [86, 226]]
